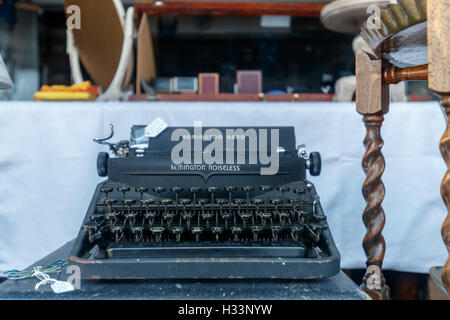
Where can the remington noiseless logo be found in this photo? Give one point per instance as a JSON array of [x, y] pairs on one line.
[[225, 152]]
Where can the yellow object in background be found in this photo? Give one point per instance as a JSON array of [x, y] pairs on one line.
[[84, 91]]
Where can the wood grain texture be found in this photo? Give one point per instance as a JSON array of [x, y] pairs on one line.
[[439, 45], [445, 191], [373, 164], [146, 67], [230, 8], [372, 96], [100, 39], [393, 75]]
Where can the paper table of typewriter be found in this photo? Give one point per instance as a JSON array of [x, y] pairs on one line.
[[154, 219]]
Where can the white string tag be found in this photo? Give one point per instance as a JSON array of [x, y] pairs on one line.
[[155, 128], [62, 286], [56, 285]]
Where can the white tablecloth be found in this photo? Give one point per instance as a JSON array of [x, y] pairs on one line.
[[48, 170]]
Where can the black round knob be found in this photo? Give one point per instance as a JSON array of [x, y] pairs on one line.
[[141, 189], [123, 189], [258, 201], [102, 164], [176, 189], [315, 164], [129, 202], [212, 189], [283, 189], [159, 189], [195, 189], [247, 189], [230, 188]]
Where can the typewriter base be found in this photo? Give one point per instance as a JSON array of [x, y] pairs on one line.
[[212, 267], [204, 260]]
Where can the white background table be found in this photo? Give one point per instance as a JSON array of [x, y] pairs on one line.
[[48, 170]]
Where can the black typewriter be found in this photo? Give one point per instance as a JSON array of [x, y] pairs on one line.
[[156, 218]]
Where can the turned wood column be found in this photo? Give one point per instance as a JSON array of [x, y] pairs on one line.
[[372, 101], [438, 12]]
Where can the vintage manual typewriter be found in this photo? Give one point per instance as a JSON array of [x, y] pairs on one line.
[[174, 207]]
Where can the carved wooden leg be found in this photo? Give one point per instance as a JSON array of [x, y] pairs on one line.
[[373, 216], [445, 191]]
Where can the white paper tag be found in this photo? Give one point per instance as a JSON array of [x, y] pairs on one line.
[[62, 286], [155, 128]]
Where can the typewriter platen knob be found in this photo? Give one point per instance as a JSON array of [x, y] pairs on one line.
[[102, 164], [314, 164]]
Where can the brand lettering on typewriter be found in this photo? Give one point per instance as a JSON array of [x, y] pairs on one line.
[[225, 152]]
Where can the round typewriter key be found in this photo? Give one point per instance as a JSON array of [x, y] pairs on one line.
[[176, 189], [202, 202], [283, 189], [276, 230], [177, 231], [159, 189], [212, 189], [137, 231], [106, 189], [221, 202], [265, 188], [230, 188], [236, 231], [196, 231], [296, 230], [166, 202], [118, 233], [256, 230], [129, 202], [217, 231], [248, 189], [147, 202], [141, 189], [240, 201], [110, 201], [185, 201], [258, 201], [90, 227], [195, 189], [299, 190], [275, 201], [157, 232]]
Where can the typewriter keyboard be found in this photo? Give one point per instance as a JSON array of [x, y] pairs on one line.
[[250, 216]]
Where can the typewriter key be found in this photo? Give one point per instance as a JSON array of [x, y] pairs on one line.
[[256, 230], [159, 190], [247, 190], [141, 190], [123, 190], [106, 191], [276, 230], [296, 230], [177, 231], [217, 231], [157, 232], [299, 190], [118, 233], [236, 231], [138, 233], [212, 190], [109, 203], [196, 231]]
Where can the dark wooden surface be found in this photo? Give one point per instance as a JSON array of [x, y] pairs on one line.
[[339, 287], [230, 8]]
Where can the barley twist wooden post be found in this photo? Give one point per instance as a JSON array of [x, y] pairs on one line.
[[372, 101], [438, 29], [445, 191]]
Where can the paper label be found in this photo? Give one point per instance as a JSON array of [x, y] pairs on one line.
[[62, 286], [155, 128]]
